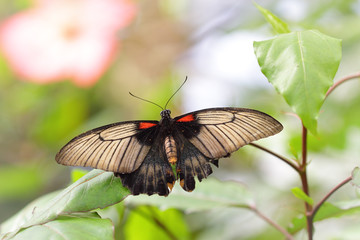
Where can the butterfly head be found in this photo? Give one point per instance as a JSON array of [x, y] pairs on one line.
[[165, 113]]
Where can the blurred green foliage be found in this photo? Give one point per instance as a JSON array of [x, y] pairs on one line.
[[337, 120], [278, 25], [20, 181]]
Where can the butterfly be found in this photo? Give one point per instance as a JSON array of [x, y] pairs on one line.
[[144, 153]]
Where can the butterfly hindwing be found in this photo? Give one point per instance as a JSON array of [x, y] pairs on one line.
[[191, 163], [119, 147], [154, 176]]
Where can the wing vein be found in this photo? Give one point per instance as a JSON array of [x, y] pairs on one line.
[[261, 132], [75, 145], [84, 151], [102, 154], [95, 149], [226, 135], [235, 131], [215, 138], [263, 122], [123, 154], [240, 126], [204, 145], [112, 155]]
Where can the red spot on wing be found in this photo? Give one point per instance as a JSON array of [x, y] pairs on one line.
[[187, 118], [144, 125]]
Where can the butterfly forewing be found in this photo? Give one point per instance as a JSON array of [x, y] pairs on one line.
[[221, 131], [116, 147]]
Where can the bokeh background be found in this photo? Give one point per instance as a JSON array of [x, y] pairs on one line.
[[67, 66]]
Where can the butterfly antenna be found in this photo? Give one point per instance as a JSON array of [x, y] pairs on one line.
[[176, 92], [146, 100]]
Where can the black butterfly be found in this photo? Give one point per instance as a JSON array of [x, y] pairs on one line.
[[142, 153]]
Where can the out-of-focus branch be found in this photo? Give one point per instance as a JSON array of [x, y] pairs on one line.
[[342, 80]]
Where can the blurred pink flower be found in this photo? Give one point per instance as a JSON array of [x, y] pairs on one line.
[[64, 39]]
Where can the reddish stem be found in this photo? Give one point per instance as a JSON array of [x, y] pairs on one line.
[[284, 159], [342, 80], [272, 223], [327, 196], [304, 182]]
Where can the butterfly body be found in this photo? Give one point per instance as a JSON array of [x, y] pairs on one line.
[[143, 153]]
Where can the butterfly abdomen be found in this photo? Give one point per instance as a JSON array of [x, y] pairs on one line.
[[170, 149]]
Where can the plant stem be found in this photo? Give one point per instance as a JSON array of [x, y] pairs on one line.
[[284, 159], [304, 182], [311, 215], [344, 79], [301, 169], [304, 147], [272, 223], [303, 165], [317, 207]]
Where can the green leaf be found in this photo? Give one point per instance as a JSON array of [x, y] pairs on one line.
[[70, 227], [299, 193], [155, 224], [208, 194], [97, 189], [327, 210], [278, 25], [356, 176], [116, 214], [301, 66]]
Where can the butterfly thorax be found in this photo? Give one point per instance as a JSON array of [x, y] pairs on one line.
[[165, 114], [165, 122]]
